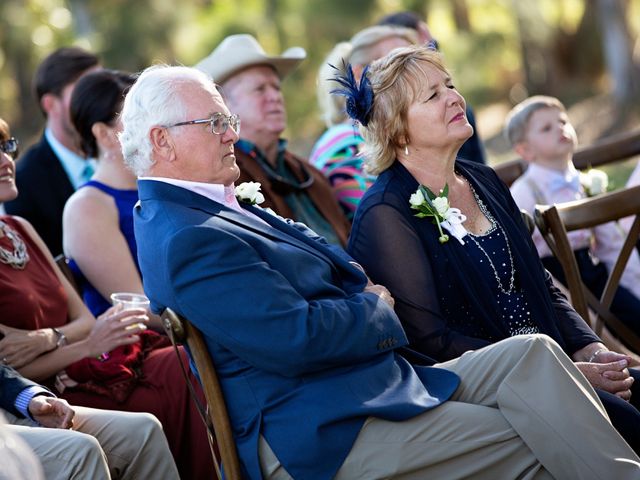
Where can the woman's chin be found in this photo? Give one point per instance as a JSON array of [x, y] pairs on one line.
[[8, 193]]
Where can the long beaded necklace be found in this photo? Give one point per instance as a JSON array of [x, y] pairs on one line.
[[17, 258], [494, 224]]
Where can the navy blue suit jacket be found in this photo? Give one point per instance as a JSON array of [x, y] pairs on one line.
[[11, 384], [43, 190], [304, 356]]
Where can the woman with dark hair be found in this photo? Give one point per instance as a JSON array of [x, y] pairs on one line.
[[446, 238], [97, 222]]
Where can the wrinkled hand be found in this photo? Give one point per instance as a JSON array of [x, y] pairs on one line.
[[612, 377], [607, 356], [381, 292], [51, 412], [19, 347], [116, 327]]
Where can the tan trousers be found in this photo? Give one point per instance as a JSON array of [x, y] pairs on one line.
[[103, 444], [523, 410]]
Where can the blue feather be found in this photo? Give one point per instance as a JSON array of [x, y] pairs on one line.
[[359, 97]]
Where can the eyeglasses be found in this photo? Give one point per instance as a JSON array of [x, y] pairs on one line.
[[220, 123], [9, 146]]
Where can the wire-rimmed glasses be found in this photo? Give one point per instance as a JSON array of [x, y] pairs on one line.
[[9, 146], [220, 123]]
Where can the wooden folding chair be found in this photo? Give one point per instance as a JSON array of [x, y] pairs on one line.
[[180, 331], [556, 220], [63, 265], [528, 220]]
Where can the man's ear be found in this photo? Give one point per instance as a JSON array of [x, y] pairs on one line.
[[524, 151], [48, 102], [162, 143], [101, 131]]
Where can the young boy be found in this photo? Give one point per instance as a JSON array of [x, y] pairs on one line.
[[540, 132]]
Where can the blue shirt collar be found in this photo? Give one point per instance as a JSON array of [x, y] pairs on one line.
[[74, 165]]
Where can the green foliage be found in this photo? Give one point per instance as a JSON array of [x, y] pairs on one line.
[[486, 58]]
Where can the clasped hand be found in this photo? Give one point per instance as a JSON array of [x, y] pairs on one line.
[[116, 327], [381, 292], [610, 373]]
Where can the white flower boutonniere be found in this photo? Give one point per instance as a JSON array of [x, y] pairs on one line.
[[594, 182], [429, 204], [249, 192]]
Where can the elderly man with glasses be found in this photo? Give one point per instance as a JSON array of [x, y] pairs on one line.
[[310, 355], [250, 81]]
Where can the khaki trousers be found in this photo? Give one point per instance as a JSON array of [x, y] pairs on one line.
[[103, 444], [523, 410]]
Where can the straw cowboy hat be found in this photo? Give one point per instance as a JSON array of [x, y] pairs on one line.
[[237, 52]]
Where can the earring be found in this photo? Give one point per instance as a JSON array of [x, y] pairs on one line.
[[406, 149]]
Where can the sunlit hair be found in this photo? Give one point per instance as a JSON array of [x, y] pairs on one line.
[[397, 79], [360, 50], [5, 134], [332, 106], [154, 100], [517, 120]]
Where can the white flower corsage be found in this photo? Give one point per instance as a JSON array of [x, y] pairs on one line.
[[594, 182], [249, 192], [429, 204]]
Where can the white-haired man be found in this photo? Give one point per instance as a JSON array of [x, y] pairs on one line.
[[250, 81], [309, 353]]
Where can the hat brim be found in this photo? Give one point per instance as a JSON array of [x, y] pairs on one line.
[[283, 65]]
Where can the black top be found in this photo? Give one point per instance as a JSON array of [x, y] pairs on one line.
[[444, 295]]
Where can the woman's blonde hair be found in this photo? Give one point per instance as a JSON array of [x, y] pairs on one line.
[[396, 80]]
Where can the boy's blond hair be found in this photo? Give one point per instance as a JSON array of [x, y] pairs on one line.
[[517, 120]]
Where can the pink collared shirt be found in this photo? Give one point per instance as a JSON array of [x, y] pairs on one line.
[[224, 194]]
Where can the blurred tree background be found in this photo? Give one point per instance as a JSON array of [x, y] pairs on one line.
[[586, 52]]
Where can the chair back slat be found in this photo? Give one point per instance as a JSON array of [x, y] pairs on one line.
[[63, 264], [621, 262], [608, 150], [217, 409], [553, 230]]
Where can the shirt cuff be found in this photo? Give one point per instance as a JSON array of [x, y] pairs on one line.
[[24, 398]]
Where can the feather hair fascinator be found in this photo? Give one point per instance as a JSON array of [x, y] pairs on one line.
[[359, 97]]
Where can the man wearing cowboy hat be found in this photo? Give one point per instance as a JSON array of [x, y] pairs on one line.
[[251, 84]]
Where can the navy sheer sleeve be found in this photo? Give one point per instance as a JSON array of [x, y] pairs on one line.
[[392, 254]]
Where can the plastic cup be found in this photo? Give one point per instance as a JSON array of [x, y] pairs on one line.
[[130, 301]]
